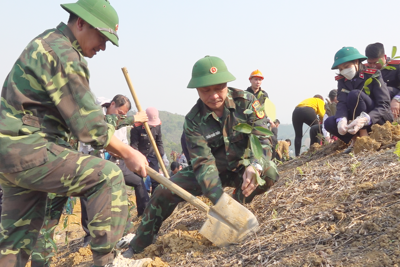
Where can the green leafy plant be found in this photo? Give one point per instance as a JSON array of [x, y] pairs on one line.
[[397, 150], [274, 214], [354, 166], [254, 144], [300, 171]]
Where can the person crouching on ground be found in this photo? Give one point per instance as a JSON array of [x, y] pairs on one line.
[[215, 150], [363, 97]]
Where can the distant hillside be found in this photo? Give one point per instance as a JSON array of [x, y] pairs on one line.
[[286, 131], [172, 128]]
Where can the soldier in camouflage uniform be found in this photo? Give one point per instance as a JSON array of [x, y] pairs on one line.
[[216, 150], [45, 99]]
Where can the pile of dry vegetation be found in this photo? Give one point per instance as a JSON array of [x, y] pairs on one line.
[[327, 209]]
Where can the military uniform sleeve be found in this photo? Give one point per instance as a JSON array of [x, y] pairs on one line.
[[269, 168], [202, 161], [119, 121], [66, 82]]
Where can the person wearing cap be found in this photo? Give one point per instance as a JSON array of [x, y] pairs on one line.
[[141, 141], [256, 78], [330, 110], [45, 101], [390, 70], [363, 98], [310, 111], [216, 150]]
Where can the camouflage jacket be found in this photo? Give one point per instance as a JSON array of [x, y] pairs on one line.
[[46, 99], [215, 147]]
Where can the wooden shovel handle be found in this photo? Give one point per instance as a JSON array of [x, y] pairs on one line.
[[177, 190], [146, 125]]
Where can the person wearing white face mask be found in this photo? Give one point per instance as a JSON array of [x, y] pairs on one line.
[[363, 98]]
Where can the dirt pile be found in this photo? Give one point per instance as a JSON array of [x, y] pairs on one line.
[[337, 210], [381, 135], [327, 209]]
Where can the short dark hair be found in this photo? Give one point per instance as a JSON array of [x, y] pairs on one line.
[[72, 18], [332, 94], [318, 96], [288, 140], [277, 121], [121, 100], [375, 50], [174, 165]]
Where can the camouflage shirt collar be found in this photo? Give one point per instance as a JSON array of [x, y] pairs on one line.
[[229, 104], [63, 28]]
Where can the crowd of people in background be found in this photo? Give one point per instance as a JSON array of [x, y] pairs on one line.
[[43, 116]]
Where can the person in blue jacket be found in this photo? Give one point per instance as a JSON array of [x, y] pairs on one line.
[[363, 97]]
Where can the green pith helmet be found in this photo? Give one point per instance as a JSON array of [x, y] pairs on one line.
[[98, 13], [347, 54], [209, 71]]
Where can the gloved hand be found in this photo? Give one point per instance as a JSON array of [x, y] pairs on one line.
[[358, 123], [327, 139], [342, 126]]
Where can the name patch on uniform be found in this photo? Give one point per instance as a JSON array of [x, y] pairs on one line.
[[143, 134], [213, 135], [258, 109]]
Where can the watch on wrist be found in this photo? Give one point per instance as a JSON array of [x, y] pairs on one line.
[[397, 98], [257, 167]]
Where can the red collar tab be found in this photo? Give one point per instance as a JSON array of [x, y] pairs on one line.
[[370, 71], [361, 75], [394, 62], [337, 78]]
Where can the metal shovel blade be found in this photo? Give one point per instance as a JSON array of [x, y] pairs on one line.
[[228, 222]]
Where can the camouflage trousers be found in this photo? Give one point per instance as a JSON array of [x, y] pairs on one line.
[[163, 202], [66, 173], [43, 249]]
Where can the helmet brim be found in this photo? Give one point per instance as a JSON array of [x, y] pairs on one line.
[[81, 12], [217, 78], [347, 59]]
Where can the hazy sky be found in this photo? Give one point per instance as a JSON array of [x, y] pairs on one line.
[[292, 42]]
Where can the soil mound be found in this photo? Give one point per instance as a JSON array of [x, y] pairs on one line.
[[327, 209]]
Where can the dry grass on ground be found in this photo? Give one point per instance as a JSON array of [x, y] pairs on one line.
[[327, 209]]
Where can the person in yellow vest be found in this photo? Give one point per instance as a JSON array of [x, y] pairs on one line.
[[256, 78], [306, 112]]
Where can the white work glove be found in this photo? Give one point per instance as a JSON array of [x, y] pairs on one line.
[[395, 106], [358, 123], [342, 126]]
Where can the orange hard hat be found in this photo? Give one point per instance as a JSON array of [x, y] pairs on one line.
[[256, 73]]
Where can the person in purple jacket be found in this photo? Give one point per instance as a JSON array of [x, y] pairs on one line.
[[363, 97]]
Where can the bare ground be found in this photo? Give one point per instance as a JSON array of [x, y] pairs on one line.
[[327, 209]]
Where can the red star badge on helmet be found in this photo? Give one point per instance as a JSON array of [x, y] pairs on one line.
[[213, 70], [116, 27]]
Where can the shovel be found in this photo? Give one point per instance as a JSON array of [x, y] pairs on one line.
[[227, 222], [146, 125]]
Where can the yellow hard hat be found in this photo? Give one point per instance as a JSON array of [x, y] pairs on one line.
[[256, 73]]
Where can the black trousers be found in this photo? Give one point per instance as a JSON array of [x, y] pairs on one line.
[[302, 115], [314, 131]]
